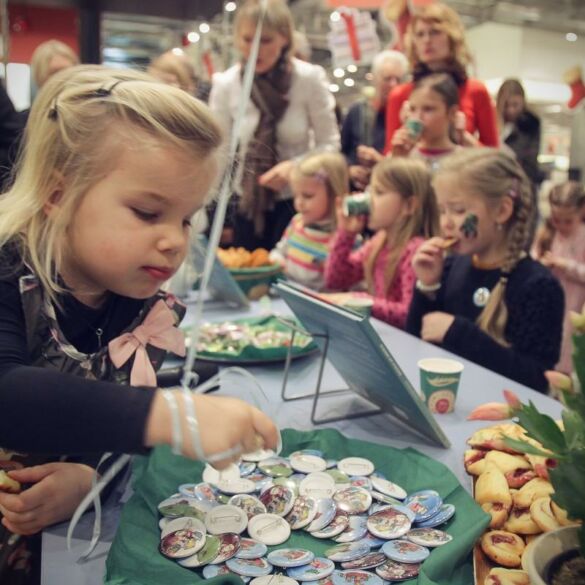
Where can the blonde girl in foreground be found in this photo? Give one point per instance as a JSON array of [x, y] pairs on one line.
[[489, 302], [403, 212], [98, 218]]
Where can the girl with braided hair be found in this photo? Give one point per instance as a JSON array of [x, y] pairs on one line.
[[489, 302]]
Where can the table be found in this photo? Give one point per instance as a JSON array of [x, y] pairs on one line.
[[478, 385]]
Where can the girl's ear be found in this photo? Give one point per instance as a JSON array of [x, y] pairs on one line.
[[451, 113], [411, 205], [53, 203], [504, 210]]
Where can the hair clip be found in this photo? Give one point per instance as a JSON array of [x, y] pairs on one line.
[[53, 113], [106, 91], [514, 190], [321, 175]]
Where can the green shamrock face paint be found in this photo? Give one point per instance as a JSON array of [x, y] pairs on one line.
[[469, 226]]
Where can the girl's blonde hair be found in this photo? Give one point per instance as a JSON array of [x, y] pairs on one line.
[[447, 20], [328, 167], [568, 195], [410, 178], [508, 89], [42, 56], [492, 175], [79, 122], [278, 18]]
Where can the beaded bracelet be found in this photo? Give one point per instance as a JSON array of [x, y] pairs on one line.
[[169, 396]]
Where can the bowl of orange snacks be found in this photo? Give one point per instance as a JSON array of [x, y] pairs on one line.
[[253, 271]]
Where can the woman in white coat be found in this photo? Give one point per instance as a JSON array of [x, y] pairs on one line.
[[291, 112]]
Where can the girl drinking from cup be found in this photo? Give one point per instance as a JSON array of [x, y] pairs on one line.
[[560, 245], [403, 212], [429, 128], [316, 181], [97, 219], [489, 302]]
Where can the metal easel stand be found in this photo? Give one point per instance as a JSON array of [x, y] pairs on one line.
[[318, 391]]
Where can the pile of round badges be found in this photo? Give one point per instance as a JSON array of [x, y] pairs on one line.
[[382, 533]]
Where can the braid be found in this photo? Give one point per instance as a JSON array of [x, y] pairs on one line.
[[494, 317]]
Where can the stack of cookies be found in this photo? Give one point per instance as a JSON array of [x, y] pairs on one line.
[[514, 489]]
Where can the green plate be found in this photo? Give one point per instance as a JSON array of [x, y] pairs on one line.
[[252, 355]]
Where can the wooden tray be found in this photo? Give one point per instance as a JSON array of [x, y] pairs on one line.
[[482, 565]]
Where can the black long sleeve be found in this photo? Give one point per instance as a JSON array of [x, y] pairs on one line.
[[46, 411], [535, 303]]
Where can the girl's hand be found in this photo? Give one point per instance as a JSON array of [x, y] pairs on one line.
[[277, 178], [368, 156], [57, 491], [402, 142], [354, 224], [359, 175], [428, 261], [224, 424], [435, 326], [551, 261]]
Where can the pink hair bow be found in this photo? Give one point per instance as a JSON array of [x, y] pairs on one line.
[[157, 329]]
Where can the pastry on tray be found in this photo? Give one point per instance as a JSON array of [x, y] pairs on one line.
[[499, 576], [504, 548], [542, 514], [535, 488]]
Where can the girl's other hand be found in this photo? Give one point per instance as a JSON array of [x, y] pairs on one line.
[[354, 224], [402, 142], [57, 491], [428, 261], [277, 178], [359, 175], [435, 326], [551, 261], [368, 156]]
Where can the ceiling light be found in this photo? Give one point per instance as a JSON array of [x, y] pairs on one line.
[[571, 37], [335, 16], [333, 87], [339, 72], [177, 51], [193, 37], [204, 27], [352, 68], [230, 6], [349, 82]]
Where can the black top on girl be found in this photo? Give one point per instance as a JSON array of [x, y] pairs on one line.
[[489, 302]]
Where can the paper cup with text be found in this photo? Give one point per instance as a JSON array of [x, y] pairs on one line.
[[439, 382]]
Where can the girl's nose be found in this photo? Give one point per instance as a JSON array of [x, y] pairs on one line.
[[173, 240]]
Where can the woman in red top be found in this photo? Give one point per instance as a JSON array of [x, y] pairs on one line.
[[435, 42]]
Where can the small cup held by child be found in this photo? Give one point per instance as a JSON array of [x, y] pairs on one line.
[[439, 382], [414, 127], [357, 204]]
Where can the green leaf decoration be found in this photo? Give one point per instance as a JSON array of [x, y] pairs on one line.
[[574, 430], [542, 428], [575, 402], [567, 479], [524, 447], [579, 359]]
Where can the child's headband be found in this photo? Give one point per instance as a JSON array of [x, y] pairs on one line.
[[98, 93]]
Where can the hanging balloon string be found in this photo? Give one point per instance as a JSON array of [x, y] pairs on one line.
[[189, 378]]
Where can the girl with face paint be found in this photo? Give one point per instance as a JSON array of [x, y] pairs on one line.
[[489, 302]]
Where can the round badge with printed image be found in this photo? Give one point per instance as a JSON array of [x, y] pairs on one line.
[[207, 554], [278, 499], [388, 523], [356, 466], [326, 510], [339, 523], [347, 551], [302, 513], [182, 542], [289, 482], [369, 561], [394, 571], [304, 463], [211, 571], [269, 529], [181, 506], [250, 504], [246, 468], [340, 478], [213, 476], [430, 537], [402, 509], [290, 557], [424, 503], [229, 544], [226, 518], [278, 579], [383, 498], [259, 455], [249, 567], [361, 481], [236, 486], [353, 500], [206, 493], [184, 523], [405, 551], [251, 549], [317, 485], [388, 488], [355, 577], [260, 480], [313, 452], [445, 513], [356, 530], [318, 568], [275, 467], [373, 541]]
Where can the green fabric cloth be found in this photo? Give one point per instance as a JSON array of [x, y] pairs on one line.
[[134, 558]]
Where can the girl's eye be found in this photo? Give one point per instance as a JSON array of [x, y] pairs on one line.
[[144, 215]]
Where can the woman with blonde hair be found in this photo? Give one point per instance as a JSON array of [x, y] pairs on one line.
[[291, 112], [49, 58], [435, 43]]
